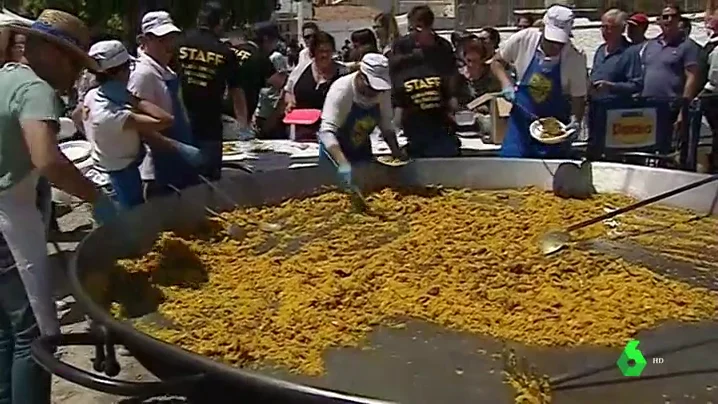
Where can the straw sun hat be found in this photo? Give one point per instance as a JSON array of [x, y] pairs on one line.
[[63, 29]]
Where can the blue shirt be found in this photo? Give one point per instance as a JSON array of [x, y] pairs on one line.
[[665, 66], [621, 67]]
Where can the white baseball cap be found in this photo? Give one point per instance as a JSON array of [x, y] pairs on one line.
[[558, 23], [375, 67], [109, 54], [158, 23]]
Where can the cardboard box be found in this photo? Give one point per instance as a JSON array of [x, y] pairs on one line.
[[499, 109]]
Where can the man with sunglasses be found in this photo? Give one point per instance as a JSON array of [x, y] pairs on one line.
[[309, 29], [355, 105], [425, 43], [552, 82], [671, 63]]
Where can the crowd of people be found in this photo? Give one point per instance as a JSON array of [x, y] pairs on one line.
[[155, 119]]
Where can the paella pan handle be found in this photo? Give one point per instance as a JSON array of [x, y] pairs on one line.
[[43, 350]]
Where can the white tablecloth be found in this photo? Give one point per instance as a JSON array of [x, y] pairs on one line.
[[272, 154], [254, 149]]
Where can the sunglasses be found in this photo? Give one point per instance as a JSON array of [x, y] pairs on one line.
[[666, 17], [308, 37]]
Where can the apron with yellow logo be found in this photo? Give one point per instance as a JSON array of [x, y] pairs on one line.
[[539, 93], [354, 136]]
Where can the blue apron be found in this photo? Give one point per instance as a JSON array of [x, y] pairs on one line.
[[354, 135], [127, 182], [170, 167], [539, 92]]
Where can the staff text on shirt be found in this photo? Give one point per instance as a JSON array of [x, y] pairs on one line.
[[199, 66], [424, 92]]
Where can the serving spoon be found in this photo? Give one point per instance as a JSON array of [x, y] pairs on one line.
[[556, 240]]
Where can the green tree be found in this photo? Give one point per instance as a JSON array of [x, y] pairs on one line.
[[120, 17]]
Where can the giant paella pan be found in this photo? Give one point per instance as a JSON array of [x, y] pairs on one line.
[[439, 294]]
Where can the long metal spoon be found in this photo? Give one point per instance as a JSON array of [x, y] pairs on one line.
[[553, 241], [268, 227], [358, 200]]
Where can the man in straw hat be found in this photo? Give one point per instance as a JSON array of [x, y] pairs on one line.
[[29, 115]]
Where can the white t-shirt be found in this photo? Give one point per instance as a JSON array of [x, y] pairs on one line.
[[519, 51], [305, 60], [304, 57], [147, 81], [340, 98], [113, 147]]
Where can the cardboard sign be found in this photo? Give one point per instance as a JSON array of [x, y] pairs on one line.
[[631, 128]]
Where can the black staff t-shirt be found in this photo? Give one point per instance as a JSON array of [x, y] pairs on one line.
[[424, 96], [207, 67], [255, 69]]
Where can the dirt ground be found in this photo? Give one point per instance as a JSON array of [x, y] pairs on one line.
[[74, 225]]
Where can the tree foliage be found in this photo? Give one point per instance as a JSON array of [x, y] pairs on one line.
[[120, 17]]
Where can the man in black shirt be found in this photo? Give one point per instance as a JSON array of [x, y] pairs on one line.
[[255, 69], [424, 42], [207, 67], [422, 98]]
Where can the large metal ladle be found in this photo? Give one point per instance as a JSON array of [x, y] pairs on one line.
[[556, 240]]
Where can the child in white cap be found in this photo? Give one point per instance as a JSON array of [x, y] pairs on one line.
[[116, 123]]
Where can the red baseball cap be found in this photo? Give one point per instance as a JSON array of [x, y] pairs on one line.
[[638, 19]]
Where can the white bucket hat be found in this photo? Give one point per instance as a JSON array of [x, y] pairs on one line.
[[109, 54]]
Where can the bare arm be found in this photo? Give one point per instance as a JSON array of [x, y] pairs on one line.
[[77, 118], [289, 101], [41, 140], [690, 90], [144, 123], [386, 124], [277, 80], [498, 70], [163, 118], [239, 105], [147, 128], [578, 107]]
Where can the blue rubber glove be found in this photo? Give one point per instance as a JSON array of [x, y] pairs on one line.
[[344, 174], [189, 153], [247, 134], [104, 210], [508, 93]]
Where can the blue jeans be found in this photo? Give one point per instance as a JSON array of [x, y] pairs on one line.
[[22, 380], [127, 183]]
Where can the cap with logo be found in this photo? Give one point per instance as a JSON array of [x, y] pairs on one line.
[[638, 19], [558, 23], [375, 67], [109, 54], [158, 23]]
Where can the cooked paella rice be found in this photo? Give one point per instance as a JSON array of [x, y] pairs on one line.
[[467, 260]]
